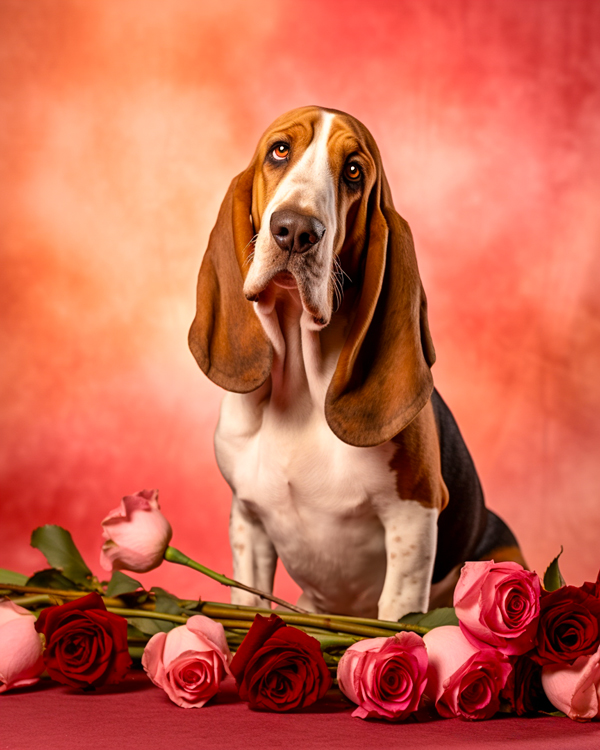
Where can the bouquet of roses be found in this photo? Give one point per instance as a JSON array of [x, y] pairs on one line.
[[509, 644]]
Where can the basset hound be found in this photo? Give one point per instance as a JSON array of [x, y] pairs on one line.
[[343, 459]]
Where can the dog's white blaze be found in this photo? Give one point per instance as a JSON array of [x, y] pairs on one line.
[[309, 188]]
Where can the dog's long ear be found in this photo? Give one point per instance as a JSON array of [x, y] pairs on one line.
[[382, 379], [226, 337]]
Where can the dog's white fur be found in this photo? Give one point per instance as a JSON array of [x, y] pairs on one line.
[[329, 510]]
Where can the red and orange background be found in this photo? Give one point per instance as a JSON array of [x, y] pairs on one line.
[[123, 123]]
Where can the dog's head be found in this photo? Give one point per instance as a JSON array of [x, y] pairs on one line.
[[313, 202]]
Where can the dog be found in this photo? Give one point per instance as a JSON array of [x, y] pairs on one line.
[[343, 460]]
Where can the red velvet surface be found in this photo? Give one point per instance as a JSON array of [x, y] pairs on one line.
[[136, 715]]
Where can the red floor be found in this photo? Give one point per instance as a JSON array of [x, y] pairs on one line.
[[136, 715]]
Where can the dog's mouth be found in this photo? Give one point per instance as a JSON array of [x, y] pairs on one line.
[[265, 288], [285, 280]]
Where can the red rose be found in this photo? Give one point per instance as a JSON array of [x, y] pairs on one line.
[[279, 668], [523, 689], [85, 644], [569, 626], [592, 588]]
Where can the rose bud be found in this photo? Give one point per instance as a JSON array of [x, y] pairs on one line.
[[462, 680], [21, 662], [497, 605], [569, 626], [279, 668], [137, 534], [574, 689], [523, 689], [189, 662], [384, 676], [85, 644]]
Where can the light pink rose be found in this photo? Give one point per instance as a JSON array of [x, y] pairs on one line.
[[462, 680], [189, 662], [21, 661], [498, 605], [137, 534], [574, 689], [384, 676]]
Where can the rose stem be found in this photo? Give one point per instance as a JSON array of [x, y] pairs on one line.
[[175, 556], [394, 627], [149, 615], [371, 628], [216, 610]]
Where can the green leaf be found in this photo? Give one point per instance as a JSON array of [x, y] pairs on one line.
[[150, 626], [58, 547], [433, 619], [51, 579], [122, 584], [558, 714], [9, 576], [553, 579], [165, 602], [134, 633]]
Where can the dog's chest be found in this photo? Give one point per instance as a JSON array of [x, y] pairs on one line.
[[290, 462]]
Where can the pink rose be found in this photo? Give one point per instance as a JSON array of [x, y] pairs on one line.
[[574, 689], [188, 662], [21, 662], [498, 605], [462, 680], [385, 676], [137, 534]]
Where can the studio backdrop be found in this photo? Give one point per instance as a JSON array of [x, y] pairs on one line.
[[122, 124]]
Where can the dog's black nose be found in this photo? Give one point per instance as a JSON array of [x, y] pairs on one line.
[[294, 232]]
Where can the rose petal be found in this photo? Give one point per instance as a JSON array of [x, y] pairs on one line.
[[21, 660], [574, 689], [261, 630]]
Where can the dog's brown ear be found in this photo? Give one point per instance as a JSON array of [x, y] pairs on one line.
[[382, 379], [226, 337]]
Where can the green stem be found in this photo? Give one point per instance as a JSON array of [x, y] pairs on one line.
[[175, 556], [28, 601], [149, 614], [136, 652], [350, 625]]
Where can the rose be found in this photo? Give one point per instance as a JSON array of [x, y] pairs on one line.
[[569, 626], [21, 662], [574, 689], [524, 689], [188, 662], [462, 680], [137, 534], [592, 588], [278, 667], [85, 644], [497, 605], [384, 676]]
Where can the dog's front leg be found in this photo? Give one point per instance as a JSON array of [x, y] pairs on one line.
[[254, 557], [410, 544]]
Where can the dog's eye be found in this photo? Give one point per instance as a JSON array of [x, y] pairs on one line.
[[352, 172], [280, 152]]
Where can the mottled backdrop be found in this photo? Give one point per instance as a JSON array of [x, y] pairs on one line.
[[121, 125]]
